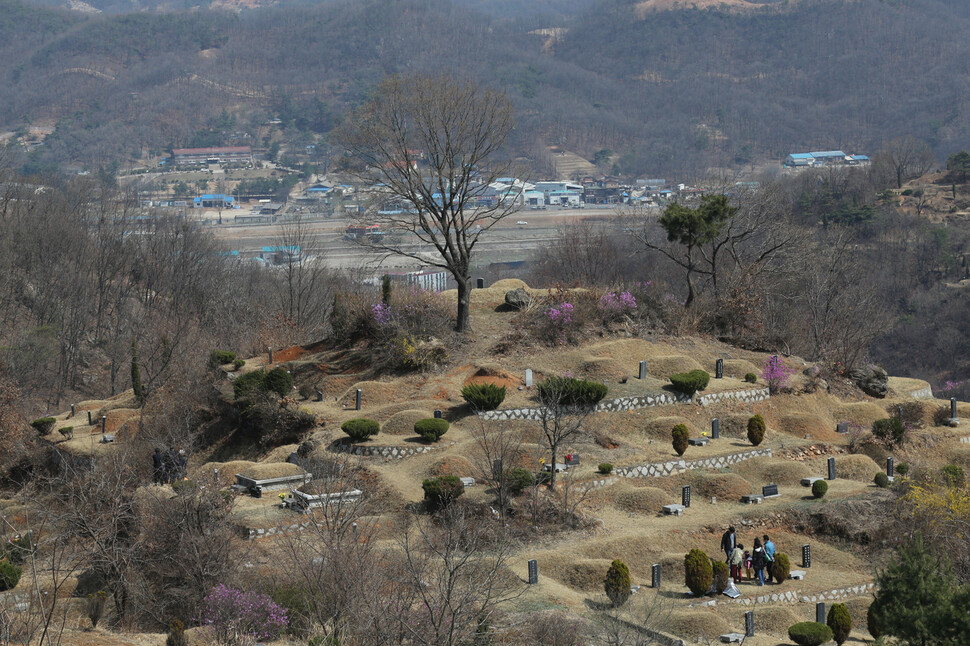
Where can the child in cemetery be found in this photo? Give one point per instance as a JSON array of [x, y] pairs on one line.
[[759, 561], [746, 559], [736, 559]]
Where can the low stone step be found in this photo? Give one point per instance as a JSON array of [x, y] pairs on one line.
[[808, 482], [752, 499], [674, 510]]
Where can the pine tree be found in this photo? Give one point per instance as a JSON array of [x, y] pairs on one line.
[[617, 583], [914, 602]]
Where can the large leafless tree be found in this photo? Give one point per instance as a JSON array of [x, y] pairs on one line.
[[433, 145]]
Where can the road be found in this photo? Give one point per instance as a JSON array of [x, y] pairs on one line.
[[506, 241]]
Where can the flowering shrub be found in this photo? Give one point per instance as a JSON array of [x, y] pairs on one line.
[[236, 616], [949, 386], [614, 306], [382, 314], [776, 375]]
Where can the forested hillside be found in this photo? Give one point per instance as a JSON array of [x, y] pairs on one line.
[[670, 92]]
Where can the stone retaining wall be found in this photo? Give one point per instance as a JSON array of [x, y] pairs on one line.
[[749, 395], [796, 596], [924, 393], [634, 403], [251, 533], [381, 451], [965, 440], [661, 469]]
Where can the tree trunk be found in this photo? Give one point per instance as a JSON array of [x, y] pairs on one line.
[[552, 479], [462, 320]]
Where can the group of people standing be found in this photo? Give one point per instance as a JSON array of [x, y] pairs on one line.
[[758, 560], [168, 466]]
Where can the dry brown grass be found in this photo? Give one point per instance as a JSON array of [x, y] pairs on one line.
[[265, 470], [860, 468], [804, 424], [375, 392], [738, 368], [960, 454], [659, 428], [403, 423], [604, 369], [669, 365], [725, 486], [697, 622], [453, 465], [772, 471], [580, 574], [864, 413], [642, 500], [508, 284]]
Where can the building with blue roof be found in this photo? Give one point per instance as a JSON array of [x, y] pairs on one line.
[[823, 158], [214, 202]]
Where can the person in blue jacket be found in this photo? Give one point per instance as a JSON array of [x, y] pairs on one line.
[[770, 556]]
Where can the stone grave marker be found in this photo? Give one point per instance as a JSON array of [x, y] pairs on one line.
[[831, 469], [533, 572], [655, 576], [715, 429], [467, 482], [437, 414], [104, 424], [673, 510], [890, 467], [770, 491], [270, 351], [528, 377], [749, 623], [732, 638], [697, 441], [107, 439], [842, 427], [806, 556], [319, 395], [90, 423], [685, 496], [953, 407], [809, 481], [72, 410], [719, 369], [480, 283], [357, 399], [572, 459], [752, 499], [797, 575], [643, 370], [820, 612]]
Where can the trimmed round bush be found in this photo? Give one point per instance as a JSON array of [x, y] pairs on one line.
[[518, 480], [431, 429], [679, 434], [840, 622], [9, 575], [820, 488], [810, 633], [44, 425], [781, 567], [570, 392], [872, 620], [617, 583], [721, 575], [360, 429], [881, 480], [249, 382], [698, 572], [902, 468], [483, 396], [279, 381], [67, 432], [756, 429], [690, 382], [238, 363], [751, 378], [222, 357], [605, 468], [441, 491]]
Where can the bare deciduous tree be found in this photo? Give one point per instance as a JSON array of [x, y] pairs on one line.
[[432, 144]]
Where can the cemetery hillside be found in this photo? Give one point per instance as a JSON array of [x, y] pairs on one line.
[[564, 472]]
